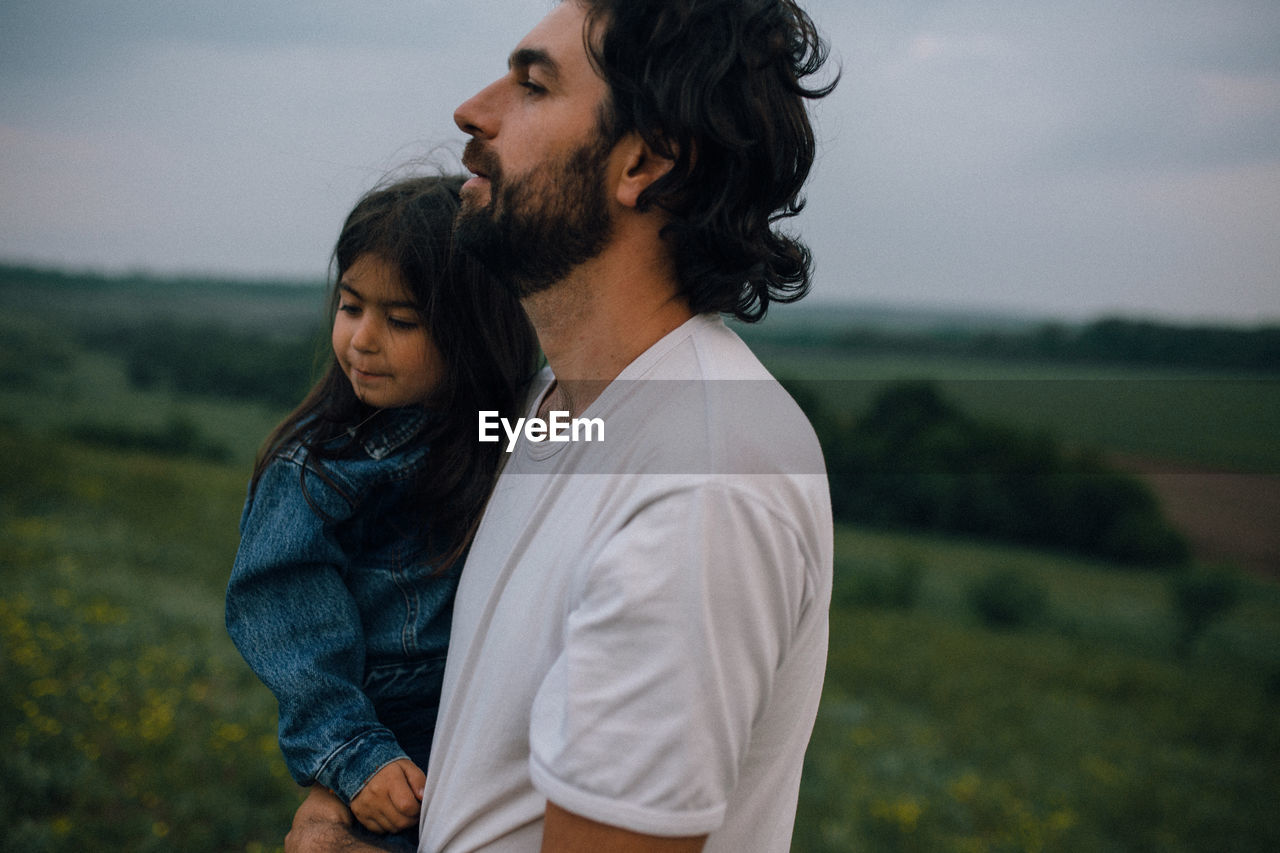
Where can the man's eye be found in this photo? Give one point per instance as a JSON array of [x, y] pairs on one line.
[[532, 87]]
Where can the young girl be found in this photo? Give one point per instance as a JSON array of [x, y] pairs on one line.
[[364, 499]]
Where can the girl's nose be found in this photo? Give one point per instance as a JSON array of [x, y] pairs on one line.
[[365, 338]]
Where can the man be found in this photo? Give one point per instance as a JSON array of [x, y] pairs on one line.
[[640, 633]]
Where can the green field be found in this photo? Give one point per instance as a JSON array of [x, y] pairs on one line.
[[128, 721], [131, 724], [1227, 420]]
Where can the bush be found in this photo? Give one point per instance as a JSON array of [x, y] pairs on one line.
[[180, 436], [213, 361], [1114, 515], [1200, 598], [30, 353], [897, 587], [1005, 599], [916, 461]]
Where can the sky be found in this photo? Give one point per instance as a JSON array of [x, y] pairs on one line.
[[1040, 159]]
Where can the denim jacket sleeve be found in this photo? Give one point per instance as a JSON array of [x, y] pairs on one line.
[[293, 619]]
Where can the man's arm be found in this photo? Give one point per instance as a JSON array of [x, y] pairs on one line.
[[322, 824], [566, 832]]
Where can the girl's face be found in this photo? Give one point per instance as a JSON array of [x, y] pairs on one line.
[[379, 338]]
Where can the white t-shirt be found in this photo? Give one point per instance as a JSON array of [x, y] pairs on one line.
[[640, 632]]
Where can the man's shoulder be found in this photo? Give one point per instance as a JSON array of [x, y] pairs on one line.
[[702, 348], [700, 402]]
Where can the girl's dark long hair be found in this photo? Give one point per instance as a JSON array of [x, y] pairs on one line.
[[488, 348]]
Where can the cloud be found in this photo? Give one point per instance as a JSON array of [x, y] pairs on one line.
[[199, 145], [72, 36], [1063, 157], [1052, 156]]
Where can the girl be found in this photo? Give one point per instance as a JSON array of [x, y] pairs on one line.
[[364, 500]]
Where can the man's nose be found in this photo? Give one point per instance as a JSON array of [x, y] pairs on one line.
[[478, 115]]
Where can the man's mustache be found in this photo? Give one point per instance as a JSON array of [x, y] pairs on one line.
[[481, 160]]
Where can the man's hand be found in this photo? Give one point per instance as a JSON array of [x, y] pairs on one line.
[[391, 799], [322, 824]]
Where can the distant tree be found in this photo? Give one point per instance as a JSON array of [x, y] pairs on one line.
[[1005, 598], [1110, 340], [915, 460], [1199, 599], [213, 360]]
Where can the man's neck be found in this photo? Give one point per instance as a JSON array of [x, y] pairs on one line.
[[601, 318]]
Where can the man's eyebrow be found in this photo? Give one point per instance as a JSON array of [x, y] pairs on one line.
[[523, 58]]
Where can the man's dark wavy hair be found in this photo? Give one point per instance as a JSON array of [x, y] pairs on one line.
[[719, 87]]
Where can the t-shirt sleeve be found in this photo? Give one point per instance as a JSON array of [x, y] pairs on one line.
[[670, 651]]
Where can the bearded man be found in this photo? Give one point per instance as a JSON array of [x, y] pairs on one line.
[[640, 633]]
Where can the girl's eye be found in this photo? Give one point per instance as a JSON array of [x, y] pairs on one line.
[[349, 308], [402, 325]]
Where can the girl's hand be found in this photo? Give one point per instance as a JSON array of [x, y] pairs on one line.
[[391, 799]]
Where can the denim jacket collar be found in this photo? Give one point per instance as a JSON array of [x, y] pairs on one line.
[[394, 428]]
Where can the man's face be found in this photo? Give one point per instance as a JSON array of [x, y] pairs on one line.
[[538, 205]]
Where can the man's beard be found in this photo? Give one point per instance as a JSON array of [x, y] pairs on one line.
[[535, 230]]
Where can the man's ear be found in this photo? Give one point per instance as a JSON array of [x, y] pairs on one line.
[[640, 167]]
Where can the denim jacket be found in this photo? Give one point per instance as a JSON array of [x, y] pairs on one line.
[[333, 605]]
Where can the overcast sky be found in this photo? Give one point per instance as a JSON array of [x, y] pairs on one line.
[[1041, 158]]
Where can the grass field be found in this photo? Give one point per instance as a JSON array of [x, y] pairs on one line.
[[128, 721], [131, 724]]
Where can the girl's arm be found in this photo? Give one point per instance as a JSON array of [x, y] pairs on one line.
[[294, 621]]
